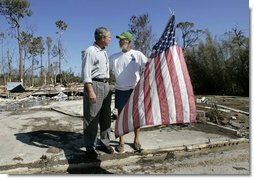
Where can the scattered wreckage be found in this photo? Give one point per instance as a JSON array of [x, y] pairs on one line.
[[226, 111], [226, 114]]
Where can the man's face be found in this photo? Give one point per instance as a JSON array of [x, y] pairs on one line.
[[124, 44], [107, 39]]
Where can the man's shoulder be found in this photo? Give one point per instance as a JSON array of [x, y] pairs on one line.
[[115, 55], [136, 52], [90, 48]]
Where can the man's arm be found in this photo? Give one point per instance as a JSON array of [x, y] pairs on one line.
[[144, 61], [87, 64], [90, 91]]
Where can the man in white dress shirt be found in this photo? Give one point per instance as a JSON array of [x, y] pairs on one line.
[[97, 93]]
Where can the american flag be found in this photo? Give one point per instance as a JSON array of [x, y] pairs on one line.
[[164, 93]]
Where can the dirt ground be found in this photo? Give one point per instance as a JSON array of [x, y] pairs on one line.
[[231, 160]]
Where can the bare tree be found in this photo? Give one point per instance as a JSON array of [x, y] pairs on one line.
[[34, 50], [26, 40], [62, 26], [9, 57], [50, 68], [189, 36], [41, 50], [14, 11], [2, 36], [142, 32]]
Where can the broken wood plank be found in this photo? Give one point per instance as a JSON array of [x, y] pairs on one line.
[[233, 109]]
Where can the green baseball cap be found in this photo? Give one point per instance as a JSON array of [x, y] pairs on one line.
[[125, 35]]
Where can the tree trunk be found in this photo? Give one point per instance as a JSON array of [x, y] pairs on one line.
[[41, 75], [60, 70], [9, 65], [49, 69], [2, 66], [20, 56], [32, 73], [24, 65]]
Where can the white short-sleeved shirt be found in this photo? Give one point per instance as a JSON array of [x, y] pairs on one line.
[[127, 68]]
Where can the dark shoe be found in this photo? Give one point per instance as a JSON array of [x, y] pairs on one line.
[[120, 148], [91, 153], [107, 149], [137, 147]]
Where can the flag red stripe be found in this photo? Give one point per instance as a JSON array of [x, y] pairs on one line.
[[161, 91], [147, 97], [175, 85], [125, 118], [135, 109], [188, 85]]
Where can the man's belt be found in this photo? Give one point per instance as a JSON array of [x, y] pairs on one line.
[[104, 80]]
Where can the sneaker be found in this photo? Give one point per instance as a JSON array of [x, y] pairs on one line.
[[120, 148], [137, 147], [107, 149]]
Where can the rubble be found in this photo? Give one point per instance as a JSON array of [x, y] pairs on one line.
[[228, 111], [218, 119], [15, 87]]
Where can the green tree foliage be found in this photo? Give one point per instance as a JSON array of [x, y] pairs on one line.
[[237, 47], [69, 77], [220, 66], [210, 60], [14, 11], [61, 25]]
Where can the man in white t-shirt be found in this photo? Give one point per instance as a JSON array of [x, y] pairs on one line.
[[127, 67]]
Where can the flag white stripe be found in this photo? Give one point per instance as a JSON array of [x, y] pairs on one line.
[[169, 91], [141, 105], [183, 90], [130, 118], [154, 95]]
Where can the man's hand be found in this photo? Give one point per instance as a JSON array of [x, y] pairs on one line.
[[92, 96], [91, 93]]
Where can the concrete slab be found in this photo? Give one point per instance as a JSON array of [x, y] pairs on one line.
[[30, 136]]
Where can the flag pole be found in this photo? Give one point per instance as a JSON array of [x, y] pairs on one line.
[[172, 13]]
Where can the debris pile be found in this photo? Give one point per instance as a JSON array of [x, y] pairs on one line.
[[14, 96], [212, 109]]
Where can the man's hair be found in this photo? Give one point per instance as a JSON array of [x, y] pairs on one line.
[[100, 32]]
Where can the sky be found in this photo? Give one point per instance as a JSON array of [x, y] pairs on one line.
[[83, 17]]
